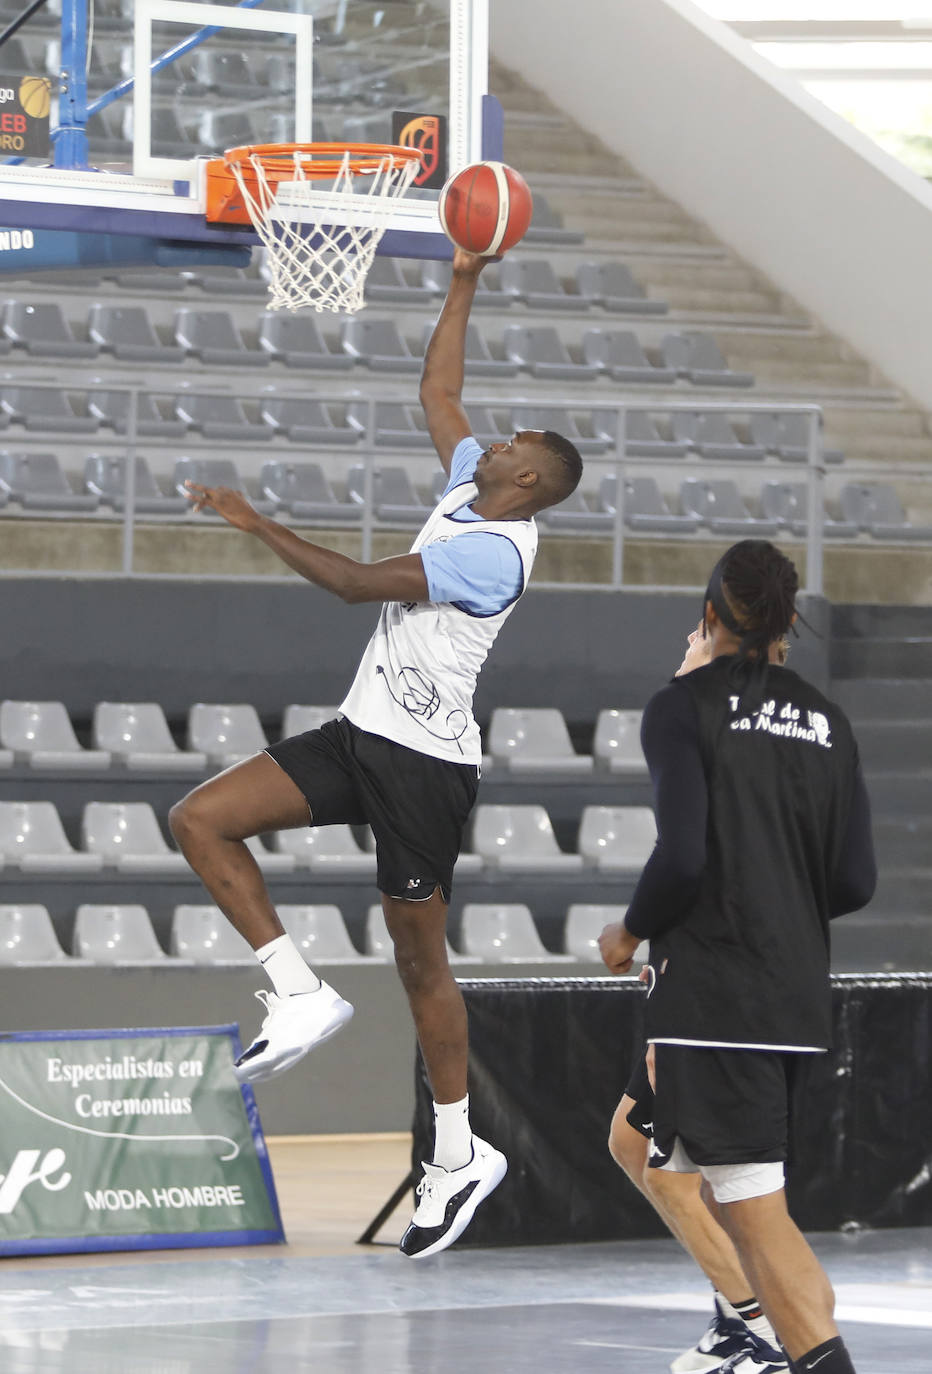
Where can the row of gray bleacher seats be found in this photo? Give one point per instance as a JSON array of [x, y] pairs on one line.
[[125, 838], [135, 735], [533, 282], [110, 934], [302, 492], [214, 338]]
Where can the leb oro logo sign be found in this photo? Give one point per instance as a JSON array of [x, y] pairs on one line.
[[25, 102], [131, 1140]]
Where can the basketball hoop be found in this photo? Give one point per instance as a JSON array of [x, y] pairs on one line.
[[320, 241]]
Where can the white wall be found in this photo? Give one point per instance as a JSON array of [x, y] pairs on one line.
[[790, 186]]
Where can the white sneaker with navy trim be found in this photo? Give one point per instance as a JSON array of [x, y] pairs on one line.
[[448, 1198], [760, 1357], [292, 1026]]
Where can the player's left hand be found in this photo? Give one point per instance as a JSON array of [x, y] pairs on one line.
[[467, 264], [232, 505], [617, 946]]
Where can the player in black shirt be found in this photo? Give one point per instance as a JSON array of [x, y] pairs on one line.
[[763, 836]]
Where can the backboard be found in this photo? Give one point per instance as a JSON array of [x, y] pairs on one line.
[[170, 83]]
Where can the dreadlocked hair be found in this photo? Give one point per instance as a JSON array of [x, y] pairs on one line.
[[753, 588]]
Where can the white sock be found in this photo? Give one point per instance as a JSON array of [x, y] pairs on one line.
[[282, 961], [757, 1322], [452, 1134]]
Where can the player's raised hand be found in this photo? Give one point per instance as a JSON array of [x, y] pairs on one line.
[[232, 505], [617, 946], [468, 264]]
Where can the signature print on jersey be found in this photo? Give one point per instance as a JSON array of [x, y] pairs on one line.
[[786, 721]]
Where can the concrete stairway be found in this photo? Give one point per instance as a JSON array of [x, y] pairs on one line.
[[677, 259]]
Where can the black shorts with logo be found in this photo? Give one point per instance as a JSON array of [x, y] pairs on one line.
[[416, 805], [727, 1106]]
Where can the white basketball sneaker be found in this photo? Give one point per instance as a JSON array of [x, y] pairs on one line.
[[292, 1026], [447, 1199]]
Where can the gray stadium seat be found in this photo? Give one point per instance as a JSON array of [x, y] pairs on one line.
[[379, 943], [116, 935], [105, 478], [617, 839], [27, 935], [436, 276], [214, 472], [299, 719], [32, 839], [787, 436], [540, 349], [536, 283], [612, 286], [43, 331], [127, 332], [204, 934], [113, 408], [137, 735], [617, 743], [503, 933], [713, 436], [219, 417], [876, 507], [44, 408], [480, 361], [547, 417], [394, 495], [386, 281], [585, 922], [788, 502], [378, 344], [304, 492], [37, 482], [326, 849], [297, 341], [213, 336], [395, 424], [519, 839], [226, 734], [227, 128], [576, 514], [40, 734], [127, 837], [643, 435], [698, 358], [533, 741], [268, 861], [644, 506], [547, 225], [306, 421], [719, 506], [320, 934], [618, 353]]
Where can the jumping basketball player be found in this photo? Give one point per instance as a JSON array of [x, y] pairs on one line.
[[763, 836], [402, 757]]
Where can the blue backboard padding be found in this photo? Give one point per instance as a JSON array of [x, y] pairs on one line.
[[46, 249]]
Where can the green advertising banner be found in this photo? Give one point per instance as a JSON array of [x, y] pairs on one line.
[[124, 1140]]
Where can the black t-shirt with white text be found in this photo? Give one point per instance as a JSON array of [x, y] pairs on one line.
[[763, 836]]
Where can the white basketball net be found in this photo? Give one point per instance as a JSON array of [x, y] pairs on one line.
[[311, 261]]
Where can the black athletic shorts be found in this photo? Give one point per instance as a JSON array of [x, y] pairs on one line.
[[416, 805], [726, 1106]]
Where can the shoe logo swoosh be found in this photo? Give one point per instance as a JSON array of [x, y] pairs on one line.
[[819, 1360]]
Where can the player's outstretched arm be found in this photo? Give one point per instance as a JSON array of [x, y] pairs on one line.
[[391, 579], [442, 378]]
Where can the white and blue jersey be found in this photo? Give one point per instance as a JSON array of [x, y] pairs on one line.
[[417, 678]]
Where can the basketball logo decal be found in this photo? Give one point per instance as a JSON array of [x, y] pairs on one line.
[[35, 96], [423, 133]]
